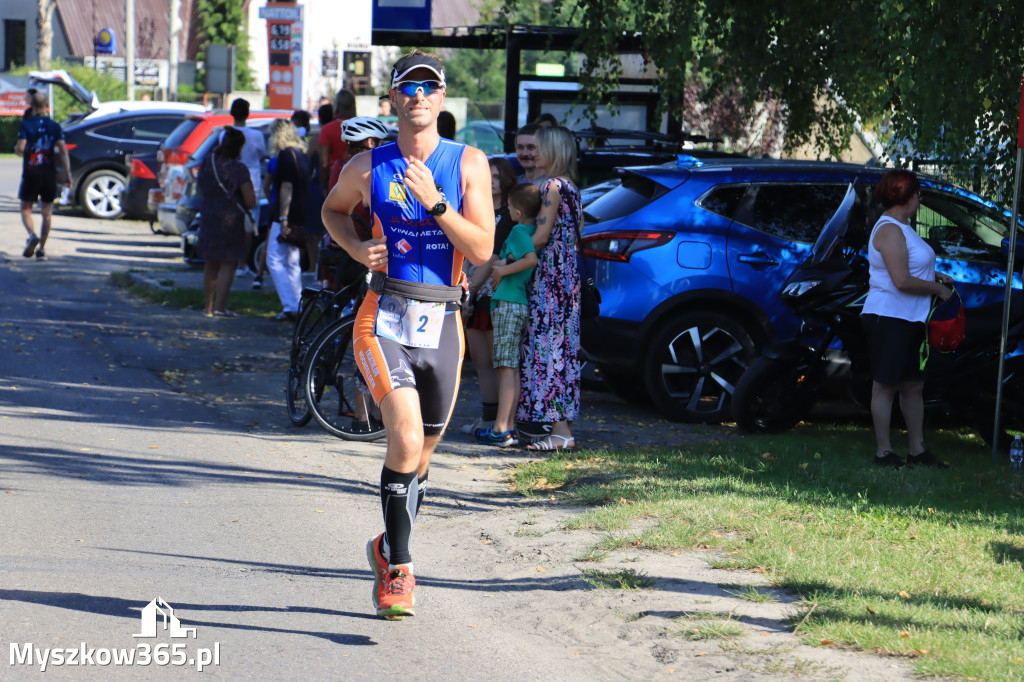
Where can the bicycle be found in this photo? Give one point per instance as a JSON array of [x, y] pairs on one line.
[[318, 308], [335, 391]]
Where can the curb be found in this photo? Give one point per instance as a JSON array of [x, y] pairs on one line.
[[146, 281]]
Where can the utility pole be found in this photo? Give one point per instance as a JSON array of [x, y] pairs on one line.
[[172, 52], [129, 47]]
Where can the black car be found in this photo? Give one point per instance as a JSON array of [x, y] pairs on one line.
[[98, 147], [142, 177]]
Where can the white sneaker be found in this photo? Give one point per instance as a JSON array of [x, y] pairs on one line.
[[472, 427], [30, 246]]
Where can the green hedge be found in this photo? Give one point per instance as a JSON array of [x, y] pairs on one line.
[[8, 133]]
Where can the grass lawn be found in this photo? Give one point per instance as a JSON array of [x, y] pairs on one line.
[[245, 303], [920, 563]]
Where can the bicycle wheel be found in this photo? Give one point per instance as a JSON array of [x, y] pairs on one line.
[[335, 391], [313, 319]]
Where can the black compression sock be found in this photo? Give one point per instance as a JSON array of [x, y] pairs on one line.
[[421, 491], [398, 496]]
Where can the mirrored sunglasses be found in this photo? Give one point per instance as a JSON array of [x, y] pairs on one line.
[[410, 88]]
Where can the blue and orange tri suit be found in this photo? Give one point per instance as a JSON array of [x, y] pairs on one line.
[[392, 354]]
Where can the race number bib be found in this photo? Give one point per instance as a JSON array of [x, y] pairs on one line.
[[410, 322]]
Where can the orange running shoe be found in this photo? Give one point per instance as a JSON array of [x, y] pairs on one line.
[[397, 600], [392, 589], [379, 567]]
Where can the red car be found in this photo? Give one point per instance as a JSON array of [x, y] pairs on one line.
[[175, 152]]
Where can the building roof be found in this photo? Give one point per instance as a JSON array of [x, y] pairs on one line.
[[455, 13], [83, 19]]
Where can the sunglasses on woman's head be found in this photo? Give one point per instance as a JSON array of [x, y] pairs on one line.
[[410, 88]]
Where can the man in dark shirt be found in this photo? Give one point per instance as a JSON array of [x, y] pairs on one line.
[[39, 139]]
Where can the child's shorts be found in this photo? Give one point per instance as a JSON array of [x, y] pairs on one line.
[[509, 320]]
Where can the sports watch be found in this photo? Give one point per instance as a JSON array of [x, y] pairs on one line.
[[439, 208]]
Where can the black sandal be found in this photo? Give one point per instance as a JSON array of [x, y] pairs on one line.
[[890, 459]]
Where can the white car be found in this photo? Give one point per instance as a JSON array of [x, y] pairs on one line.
[[63, 80]]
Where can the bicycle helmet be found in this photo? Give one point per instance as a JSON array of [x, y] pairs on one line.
[[361, 128]]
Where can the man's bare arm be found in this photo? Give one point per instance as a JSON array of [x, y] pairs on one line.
[[65, 160]]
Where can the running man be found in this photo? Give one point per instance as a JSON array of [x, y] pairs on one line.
[[430, 200], [38, 138]]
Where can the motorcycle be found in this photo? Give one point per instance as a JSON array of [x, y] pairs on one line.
[[827, 291]]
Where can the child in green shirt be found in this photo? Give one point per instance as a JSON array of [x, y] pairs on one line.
[[516, 262]]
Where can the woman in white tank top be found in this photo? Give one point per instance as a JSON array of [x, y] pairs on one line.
[[902, 284]]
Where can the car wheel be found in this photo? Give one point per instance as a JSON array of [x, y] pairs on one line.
[[774, 394], [257, 256], [100, 195], [692, 366]]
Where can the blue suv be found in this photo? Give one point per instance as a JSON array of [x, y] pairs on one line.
[[689, 258]]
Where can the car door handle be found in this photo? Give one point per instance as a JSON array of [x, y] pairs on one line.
[[758, 258]]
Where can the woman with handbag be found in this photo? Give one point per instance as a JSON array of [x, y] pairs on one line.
[[227, 194], [550, 365], [903, 283], [287, 237]]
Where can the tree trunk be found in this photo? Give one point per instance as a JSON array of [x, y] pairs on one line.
[[44, 41]]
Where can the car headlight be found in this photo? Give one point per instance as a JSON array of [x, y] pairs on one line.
[[798, 289]]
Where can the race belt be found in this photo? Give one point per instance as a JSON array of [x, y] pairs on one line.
[[381, 284]]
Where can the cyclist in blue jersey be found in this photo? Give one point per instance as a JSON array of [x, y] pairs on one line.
[[39, 139], [430, 203]]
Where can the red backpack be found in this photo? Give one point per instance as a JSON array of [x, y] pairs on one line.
[[946, 323]]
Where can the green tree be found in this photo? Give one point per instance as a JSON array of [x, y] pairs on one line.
[[224, 22], [938, 79]]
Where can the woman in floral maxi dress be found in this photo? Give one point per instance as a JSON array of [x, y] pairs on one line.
[[550, 366]]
